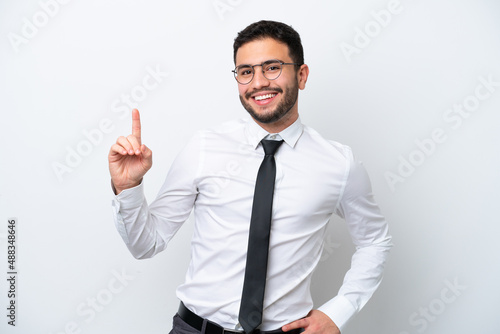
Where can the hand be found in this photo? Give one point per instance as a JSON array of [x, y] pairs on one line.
[[316, 322], [129, 159]]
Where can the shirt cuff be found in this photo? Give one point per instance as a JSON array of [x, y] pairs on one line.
[[131, 197], [340, 310], [128, 199]]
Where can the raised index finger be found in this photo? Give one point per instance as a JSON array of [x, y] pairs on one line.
[[136, 125]]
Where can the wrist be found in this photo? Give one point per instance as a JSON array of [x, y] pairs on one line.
[[118, 189]]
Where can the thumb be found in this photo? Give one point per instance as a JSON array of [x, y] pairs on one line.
[[146, 151], [147, 157], [301, 323]]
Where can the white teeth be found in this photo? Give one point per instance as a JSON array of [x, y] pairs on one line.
[[263, 97]]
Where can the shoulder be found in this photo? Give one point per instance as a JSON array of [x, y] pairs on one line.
[[221, 136], [225, 127], [330, 147]]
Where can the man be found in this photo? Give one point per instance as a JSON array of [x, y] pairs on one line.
[[216, 175]]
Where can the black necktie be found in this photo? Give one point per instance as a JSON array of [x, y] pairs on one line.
[[252, 298]]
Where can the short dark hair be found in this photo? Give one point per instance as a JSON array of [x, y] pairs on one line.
[[272, 29]]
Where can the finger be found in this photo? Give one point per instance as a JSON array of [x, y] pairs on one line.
[[136, 125], [301, 323], [136, 146], [126, 144], [118, 149]]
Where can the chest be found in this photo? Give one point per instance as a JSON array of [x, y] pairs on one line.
[[307, 188]]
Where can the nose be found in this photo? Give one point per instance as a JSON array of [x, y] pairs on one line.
[[259, 80]]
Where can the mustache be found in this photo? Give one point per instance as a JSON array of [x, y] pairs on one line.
[[276, 89]]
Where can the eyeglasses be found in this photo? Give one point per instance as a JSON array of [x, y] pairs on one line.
[[270, 68]]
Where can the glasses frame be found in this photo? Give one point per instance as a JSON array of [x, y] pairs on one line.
[[262, 68]]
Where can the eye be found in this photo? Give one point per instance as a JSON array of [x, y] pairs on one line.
[[244, 71], [272, 67]]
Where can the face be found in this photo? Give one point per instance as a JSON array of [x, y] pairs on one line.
[[270, 101]]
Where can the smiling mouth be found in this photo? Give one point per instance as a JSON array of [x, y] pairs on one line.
[[265, 97], [263, 94]]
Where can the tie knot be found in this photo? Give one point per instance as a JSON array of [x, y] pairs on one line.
[[271, 146]]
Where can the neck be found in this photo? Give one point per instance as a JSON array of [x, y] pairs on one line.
[[279, 125]]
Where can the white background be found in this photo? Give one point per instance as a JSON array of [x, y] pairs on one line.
[[66, 77]]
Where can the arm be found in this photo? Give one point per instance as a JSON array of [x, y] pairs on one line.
[[315, 322], [129, 159], [369, 233], [147, 229]]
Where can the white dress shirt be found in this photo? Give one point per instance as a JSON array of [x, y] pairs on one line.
[[215, 174]]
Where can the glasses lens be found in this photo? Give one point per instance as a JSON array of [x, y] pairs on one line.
[[272, 69], [244, 74]]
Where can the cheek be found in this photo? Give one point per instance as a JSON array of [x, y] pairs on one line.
[[242, 89]]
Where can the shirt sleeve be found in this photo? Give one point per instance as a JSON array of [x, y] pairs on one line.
[[370, 235], [147, 229]]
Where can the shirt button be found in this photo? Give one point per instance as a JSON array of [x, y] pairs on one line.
[[273, 137]]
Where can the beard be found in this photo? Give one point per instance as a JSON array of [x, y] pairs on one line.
[[289, 100]]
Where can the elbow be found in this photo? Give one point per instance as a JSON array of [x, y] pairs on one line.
[[142, 255], [387, 242]]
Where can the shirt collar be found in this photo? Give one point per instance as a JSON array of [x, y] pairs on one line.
[[290, 135]]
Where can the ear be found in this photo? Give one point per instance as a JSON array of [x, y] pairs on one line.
[[302, 75]]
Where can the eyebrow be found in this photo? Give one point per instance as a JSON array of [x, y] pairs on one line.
[[262, 62]]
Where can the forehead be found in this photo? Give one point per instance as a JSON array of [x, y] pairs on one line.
[[260, 50]]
